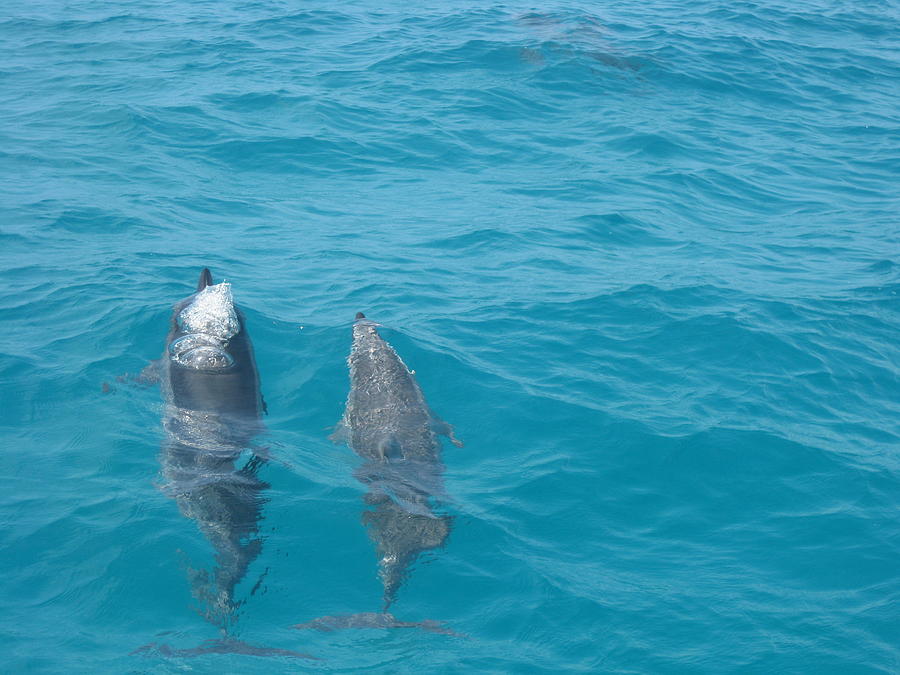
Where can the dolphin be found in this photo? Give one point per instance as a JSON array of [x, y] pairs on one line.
[[388, 423], [213, 409]]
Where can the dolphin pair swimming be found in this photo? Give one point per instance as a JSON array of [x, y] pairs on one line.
[[213, 410]]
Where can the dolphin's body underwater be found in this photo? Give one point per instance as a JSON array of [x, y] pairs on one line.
[[388, 423], [213, 410]]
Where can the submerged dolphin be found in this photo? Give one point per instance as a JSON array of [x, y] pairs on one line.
[[213, 409], [388, 423]]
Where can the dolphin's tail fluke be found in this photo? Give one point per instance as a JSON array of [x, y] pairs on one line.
[[327, 624], [223, 646]]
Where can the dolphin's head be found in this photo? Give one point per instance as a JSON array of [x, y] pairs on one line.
[[205, 323], [364, 331]]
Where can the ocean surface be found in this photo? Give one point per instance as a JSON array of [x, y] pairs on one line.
[[645, 257]]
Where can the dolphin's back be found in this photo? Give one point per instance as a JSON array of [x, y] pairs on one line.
[[388, 423], [386, 414]]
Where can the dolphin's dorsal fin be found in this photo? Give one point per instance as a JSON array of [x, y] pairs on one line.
[[205, 279]]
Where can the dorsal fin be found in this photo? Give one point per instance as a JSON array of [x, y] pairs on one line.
[[205, 279]]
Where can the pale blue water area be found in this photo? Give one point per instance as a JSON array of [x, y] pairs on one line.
[[643, 257]]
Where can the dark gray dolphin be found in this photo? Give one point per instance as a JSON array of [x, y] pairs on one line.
[[213, 410], [388, 423]]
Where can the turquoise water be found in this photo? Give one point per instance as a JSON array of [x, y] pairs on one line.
[[643, 257]]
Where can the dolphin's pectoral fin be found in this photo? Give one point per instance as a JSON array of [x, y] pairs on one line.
[[453, 439], [441, 427], [262, 402], [341, 433], [149, 375]]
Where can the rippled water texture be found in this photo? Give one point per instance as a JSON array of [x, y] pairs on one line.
[[643, 257]]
